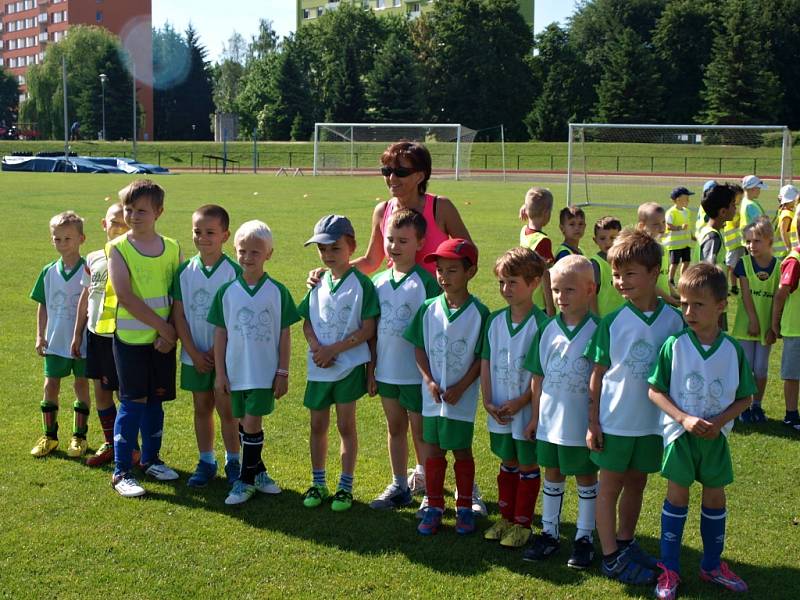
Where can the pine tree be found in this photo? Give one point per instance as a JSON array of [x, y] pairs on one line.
[[170, 68], [195, 94], [394, 90], [287, 114]]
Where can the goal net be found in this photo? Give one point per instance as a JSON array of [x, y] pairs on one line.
[[626, 165]]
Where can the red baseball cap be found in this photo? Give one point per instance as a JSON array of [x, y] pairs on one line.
[[454, 248]]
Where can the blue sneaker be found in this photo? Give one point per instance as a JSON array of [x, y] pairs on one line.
[[465, 521], [392, 497], [203, 474], [757, 414], [626, 569], [747, 416], [430, 521], [233, 469], [643, 557]]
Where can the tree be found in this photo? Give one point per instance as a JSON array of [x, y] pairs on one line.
[[9, 98], [287, 114], [779, 22], [227, 75], [171, 61], [254, 91], [394, 86]]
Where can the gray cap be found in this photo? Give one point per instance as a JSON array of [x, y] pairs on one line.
[[331, 228]]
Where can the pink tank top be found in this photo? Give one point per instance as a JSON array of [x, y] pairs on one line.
[[433, 237]]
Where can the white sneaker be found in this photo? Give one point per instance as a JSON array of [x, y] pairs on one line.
[[126, 486], [158, 470], [422, 507], [266, 484], [240, 493], [478, 505], [416, 482]]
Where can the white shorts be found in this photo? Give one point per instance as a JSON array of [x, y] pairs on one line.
[[790, 359]]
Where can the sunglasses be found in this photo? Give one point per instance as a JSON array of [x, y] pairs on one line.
[[398, 171]]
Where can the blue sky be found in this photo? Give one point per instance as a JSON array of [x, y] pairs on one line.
[[215, 26]]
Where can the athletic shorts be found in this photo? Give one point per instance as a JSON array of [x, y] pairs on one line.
[[194, 381], [100, 361], [320, 395], [790, 358], [144, 372], [409, 396], [757, 355], [732, 257], [448, 434], [570, 460], [258, 402], [680, 255], [59, 367], [508, 449], [690, 458], [621, 453]]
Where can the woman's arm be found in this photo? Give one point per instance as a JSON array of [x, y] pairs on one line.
[[449, 220], [373, 257]]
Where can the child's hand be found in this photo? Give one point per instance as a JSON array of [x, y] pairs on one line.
[[41, 345], [280, 385], [372, 384], [713, 431], [523, 215], [203, 363], [222, 386], [75, 346], [314, 277], [697, 426], [434, 390], [594, 438], [753, 329], [770, 337], [324, 356], [530, 429], [452, 395], [512, 407], [163, 346], [495, 413], [169, 334]]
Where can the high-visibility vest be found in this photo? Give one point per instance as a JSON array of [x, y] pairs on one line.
[[704, 231], [608, 298], [779, 248], [677, 239], [790, 319], [532, 240], [732, 234]]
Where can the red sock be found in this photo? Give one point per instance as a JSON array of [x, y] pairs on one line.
[[527, 492], [507, 482], [107, 417], [435, 470], [465, 480]]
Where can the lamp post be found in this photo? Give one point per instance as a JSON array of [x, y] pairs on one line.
[[103, 79]]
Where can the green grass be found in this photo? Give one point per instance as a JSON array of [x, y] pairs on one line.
[[66, 534]]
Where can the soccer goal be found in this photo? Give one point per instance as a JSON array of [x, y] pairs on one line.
[[625, 165]]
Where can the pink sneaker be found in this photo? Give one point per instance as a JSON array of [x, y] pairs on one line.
[[667, 584], [725, 577]]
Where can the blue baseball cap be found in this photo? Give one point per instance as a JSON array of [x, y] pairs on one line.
[[331, 228], [680, 191], [709, 184]]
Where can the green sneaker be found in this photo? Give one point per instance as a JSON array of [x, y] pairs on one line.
[[342, 501], [315, 495]]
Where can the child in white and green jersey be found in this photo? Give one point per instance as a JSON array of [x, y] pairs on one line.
[[701, 383], [758, 275], [624, 434], [57, 291], [340, 313], [506, 394], [447, 334], [560, 410], [196, 283], [393, 371], [252, 315], [606, 298]]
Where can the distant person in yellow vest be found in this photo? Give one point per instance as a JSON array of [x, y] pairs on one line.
[[785, 225], [606, 299], [537, 209], [733, 237], [748, 210], [141, 269], [702, 218], [650, 219], [678, 238]]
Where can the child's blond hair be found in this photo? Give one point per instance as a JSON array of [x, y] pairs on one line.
[[762, 227], [520, 262], [68, 217], [253, 230], [573, 264], [633, 246], [647, 210], [538, 202], [141, 188], [704, 276]]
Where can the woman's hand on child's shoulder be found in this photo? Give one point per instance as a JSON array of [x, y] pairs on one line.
[[315, 276]]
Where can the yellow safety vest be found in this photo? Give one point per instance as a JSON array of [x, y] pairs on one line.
[[608, 298], [732, 234], [532, 240], [678, 238], [704, 232], [779, 248], [790, 319]]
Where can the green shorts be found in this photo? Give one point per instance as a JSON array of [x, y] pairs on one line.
[[621, 453], [320, 395], [690, 458], [448, 434], [507, 449], [60, 366], [570, 460], [409, 396], [258, 402], [194, 381]]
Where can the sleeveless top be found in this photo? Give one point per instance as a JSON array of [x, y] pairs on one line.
[[433, 237]]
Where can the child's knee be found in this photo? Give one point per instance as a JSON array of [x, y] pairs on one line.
[[463, 454], [713, 497], [52, 385]]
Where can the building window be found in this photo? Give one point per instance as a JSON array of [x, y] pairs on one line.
[[12, 44], [98, 16], [20, 6], [320, 10], [306, 13], [10, 10], [12, 26], [395, 2]]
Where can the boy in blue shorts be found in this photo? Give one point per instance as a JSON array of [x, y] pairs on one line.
[[57, 291], [196, 283], [393, 372], [701, 382], [340, 314], [505, 387], [447, 334], [560, 410], [141, 268], [624, 433], [252, 315]]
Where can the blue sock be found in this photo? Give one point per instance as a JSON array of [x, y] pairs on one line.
[[152, 426], [346, 482], [673, 519], [712, 530], [126, 429], [318, 477], [208, 457], [231, 457]]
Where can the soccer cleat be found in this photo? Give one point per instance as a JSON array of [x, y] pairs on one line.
[[516, 537], [44, 446], [423, 505], [266, 484], [478, 505], [416, 482], [725, 577], [792, 422], [392, 497], [582, 553], [747, 416], [342, 501], [126, 485], [544, 546], [203, 474], [240, 493], [465, 521], [642, 557], [758, 414], [158, 470], [233, 469], [77, 447], [626, 569], [431, 520], [103, 456], [315, 495], [496, 532], [667, 584]]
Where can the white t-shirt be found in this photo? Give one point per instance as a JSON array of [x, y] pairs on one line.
[[94, 276], [60, 292]]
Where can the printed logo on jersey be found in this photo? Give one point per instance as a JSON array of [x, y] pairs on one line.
[[700, 400], [640, 359], [393, 321], [508, 372], [201, 303], [452, 354], [62, 305], [571, 377], [333, 323]]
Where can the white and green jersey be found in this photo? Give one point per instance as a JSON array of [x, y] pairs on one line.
[[452, 341], [60, 292], [627, 342], [701, 380], [399, 300], [195, 286], [505, 345], [94, 276], [253, 317], [557, 355], [337, 310]]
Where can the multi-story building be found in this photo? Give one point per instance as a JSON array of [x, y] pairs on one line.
[[28, 26]]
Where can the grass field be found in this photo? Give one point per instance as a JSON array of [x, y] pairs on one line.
[[66, 534]]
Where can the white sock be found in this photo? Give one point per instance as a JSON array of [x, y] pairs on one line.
[[587, 497], [420, 469], [553, 497]]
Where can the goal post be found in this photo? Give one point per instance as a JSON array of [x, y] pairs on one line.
[[625, 165]]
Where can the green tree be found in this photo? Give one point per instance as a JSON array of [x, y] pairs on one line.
[[287, 114], [195, 93], [255, 88], [228, 73], [171, 62], [779, 22], [9, 98], [394, 86]]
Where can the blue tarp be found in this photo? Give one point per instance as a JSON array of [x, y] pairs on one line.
[[79, 164]]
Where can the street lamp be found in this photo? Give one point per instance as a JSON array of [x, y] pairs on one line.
[[103, 79]]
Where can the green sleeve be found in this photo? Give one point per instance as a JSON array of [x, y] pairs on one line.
[[176, 281], [414, 333], [747, 385], [303, 307], [484, 312], [370, 307], [432, 288], [540, 316], [215, 313], [533, 361], [662, 370], [37, 293], [599, 348], [289, 314]]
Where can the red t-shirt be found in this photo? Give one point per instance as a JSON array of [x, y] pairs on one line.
[[544, 248], [790, 273]]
